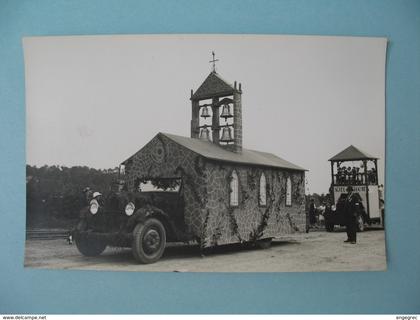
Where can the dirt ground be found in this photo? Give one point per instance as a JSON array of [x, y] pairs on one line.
[[314, 251]]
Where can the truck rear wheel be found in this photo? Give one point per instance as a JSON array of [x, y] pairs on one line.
[[329, 226], [88, 246], [149, 240]]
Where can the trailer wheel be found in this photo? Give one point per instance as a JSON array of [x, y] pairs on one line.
[[149, 240], [88, 246], [264, 243], [360, 224]]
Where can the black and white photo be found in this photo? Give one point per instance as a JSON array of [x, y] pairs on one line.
[[205, 153]]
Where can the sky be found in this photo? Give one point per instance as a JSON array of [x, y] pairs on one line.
[[96, 100]]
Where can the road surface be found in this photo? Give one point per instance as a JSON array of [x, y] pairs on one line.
[[314, 251]]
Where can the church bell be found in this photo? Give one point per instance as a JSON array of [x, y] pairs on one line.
[[226, 112], [226, 135], [205, 134], [205, 112]]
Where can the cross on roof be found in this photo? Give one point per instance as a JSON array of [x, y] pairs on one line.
[[213, 61]]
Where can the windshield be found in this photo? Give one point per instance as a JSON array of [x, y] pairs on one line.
[[160, 185]]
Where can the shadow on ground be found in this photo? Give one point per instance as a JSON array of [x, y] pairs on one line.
[[176, 251]]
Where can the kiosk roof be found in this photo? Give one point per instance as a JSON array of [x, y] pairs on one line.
[[352, 153]]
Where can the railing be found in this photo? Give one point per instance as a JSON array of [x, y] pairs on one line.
[[46, 234], [353, 179]]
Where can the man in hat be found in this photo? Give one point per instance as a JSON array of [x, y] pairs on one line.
[[87, 192], [351, 210], [97, 196]]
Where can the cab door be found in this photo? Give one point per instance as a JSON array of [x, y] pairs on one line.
[[374, 211]]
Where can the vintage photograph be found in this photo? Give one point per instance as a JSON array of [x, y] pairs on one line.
[[205, 153]]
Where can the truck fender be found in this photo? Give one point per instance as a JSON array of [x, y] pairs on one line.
[[149, 211]]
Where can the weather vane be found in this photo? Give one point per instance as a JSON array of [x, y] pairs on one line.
[[213, 61]]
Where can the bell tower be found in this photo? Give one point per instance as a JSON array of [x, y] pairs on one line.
[[217, 111]]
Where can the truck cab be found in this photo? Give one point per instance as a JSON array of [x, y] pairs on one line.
[[144, 220], [355, 168]]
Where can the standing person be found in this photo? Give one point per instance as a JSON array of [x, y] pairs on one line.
[[312, 213], [321, 216], [348, 175], [341, 176], [381, 203], [373, 177], [381, 195], [353, 175], [97, 196], [351, 209], [358, 180], [87, 192]]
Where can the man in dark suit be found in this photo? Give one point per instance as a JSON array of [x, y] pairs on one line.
[[351, 209], [312, 213]]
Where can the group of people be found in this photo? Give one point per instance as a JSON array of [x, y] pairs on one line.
[[354, 175], [316, 215]]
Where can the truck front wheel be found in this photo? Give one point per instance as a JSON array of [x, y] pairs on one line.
[[88, 246], [149, 240]]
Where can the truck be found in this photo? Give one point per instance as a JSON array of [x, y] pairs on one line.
[[358, 169]]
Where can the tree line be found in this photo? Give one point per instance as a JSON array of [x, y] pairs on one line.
[[54, 194]]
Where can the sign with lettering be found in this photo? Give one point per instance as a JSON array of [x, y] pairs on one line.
[[343, 189], [361, 190]]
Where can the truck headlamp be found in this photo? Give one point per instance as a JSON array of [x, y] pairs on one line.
[[129, 209], [94, 207], [333, 208]]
